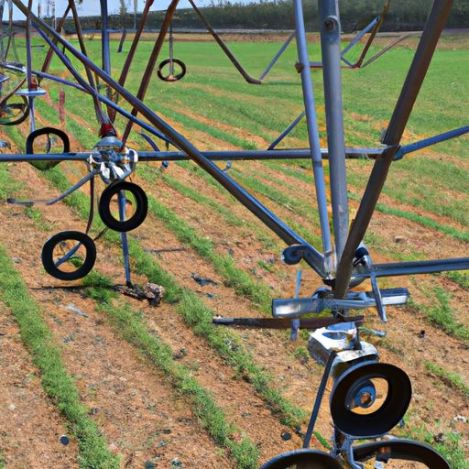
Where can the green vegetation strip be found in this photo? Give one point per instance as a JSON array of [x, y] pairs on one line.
[[450, 445], [131, 326], [453, 380], [234, 277], [195, 313], [428, 222], [441, 314], [57, 383]]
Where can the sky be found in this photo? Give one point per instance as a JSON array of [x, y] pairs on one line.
[[92, 7]]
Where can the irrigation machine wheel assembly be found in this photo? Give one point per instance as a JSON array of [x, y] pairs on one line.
[[369, 399]]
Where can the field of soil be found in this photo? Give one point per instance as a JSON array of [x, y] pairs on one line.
[[140, 386]]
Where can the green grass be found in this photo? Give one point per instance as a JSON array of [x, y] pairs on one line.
[[224, 265], [441, 314], [57, 383], [461, 278], [453, 380], [131, 326], [451, 448]]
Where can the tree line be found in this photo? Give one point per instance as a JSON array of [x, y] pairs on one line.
[[404, 15]]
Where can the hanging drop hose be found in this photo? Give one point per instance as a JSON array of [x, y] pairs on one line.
[[171, 76]]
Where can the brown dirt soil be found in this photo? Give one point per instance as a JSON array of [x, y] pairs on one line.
[[115, 363], [403, 329], [245, 408], [384, 227], [133, 403], [260, 342], [30, 426]]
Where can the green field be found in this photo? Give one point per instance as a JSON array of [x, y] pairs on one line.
[[422, 214]]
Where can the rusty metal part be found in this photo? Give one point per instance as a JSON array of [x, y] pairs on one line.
[[276, 323], [152, 62], [132, 51], [224, 47], [151, 292], [50, 52]]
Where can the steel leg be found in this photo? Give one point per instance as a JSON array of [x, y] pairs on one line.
[[331, 55], [124, 241], [313, 133]]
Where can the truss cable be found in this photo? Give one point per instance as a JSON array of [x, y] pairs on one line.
[[31, 81], [224, 47], [319, 396], [372, 35], [10, 34], [84, 86], [2, 34], [50, 52], [29, 203], [313, 134]]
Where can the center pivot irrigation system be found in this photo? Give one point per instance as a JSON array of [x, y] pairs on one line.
[[368, 398]]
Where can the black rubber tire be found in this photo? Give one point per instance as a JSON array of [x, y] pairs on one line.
[[320, 460], [44, 165], [48, 259], [383, 419], [24, 107], [177, 77], [140, 212], [402, 450]]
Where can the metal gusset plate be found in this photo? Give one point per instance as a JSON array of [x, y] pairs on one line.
[[304, 458], [369, 399]]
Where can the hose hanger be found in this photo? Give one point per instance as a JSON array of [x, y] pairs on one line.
[[61, 258], [138, 203], [52, 137], [176, 69]]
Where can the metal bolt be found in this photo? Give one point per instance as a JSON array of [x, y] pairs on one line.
[[330, 23]]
